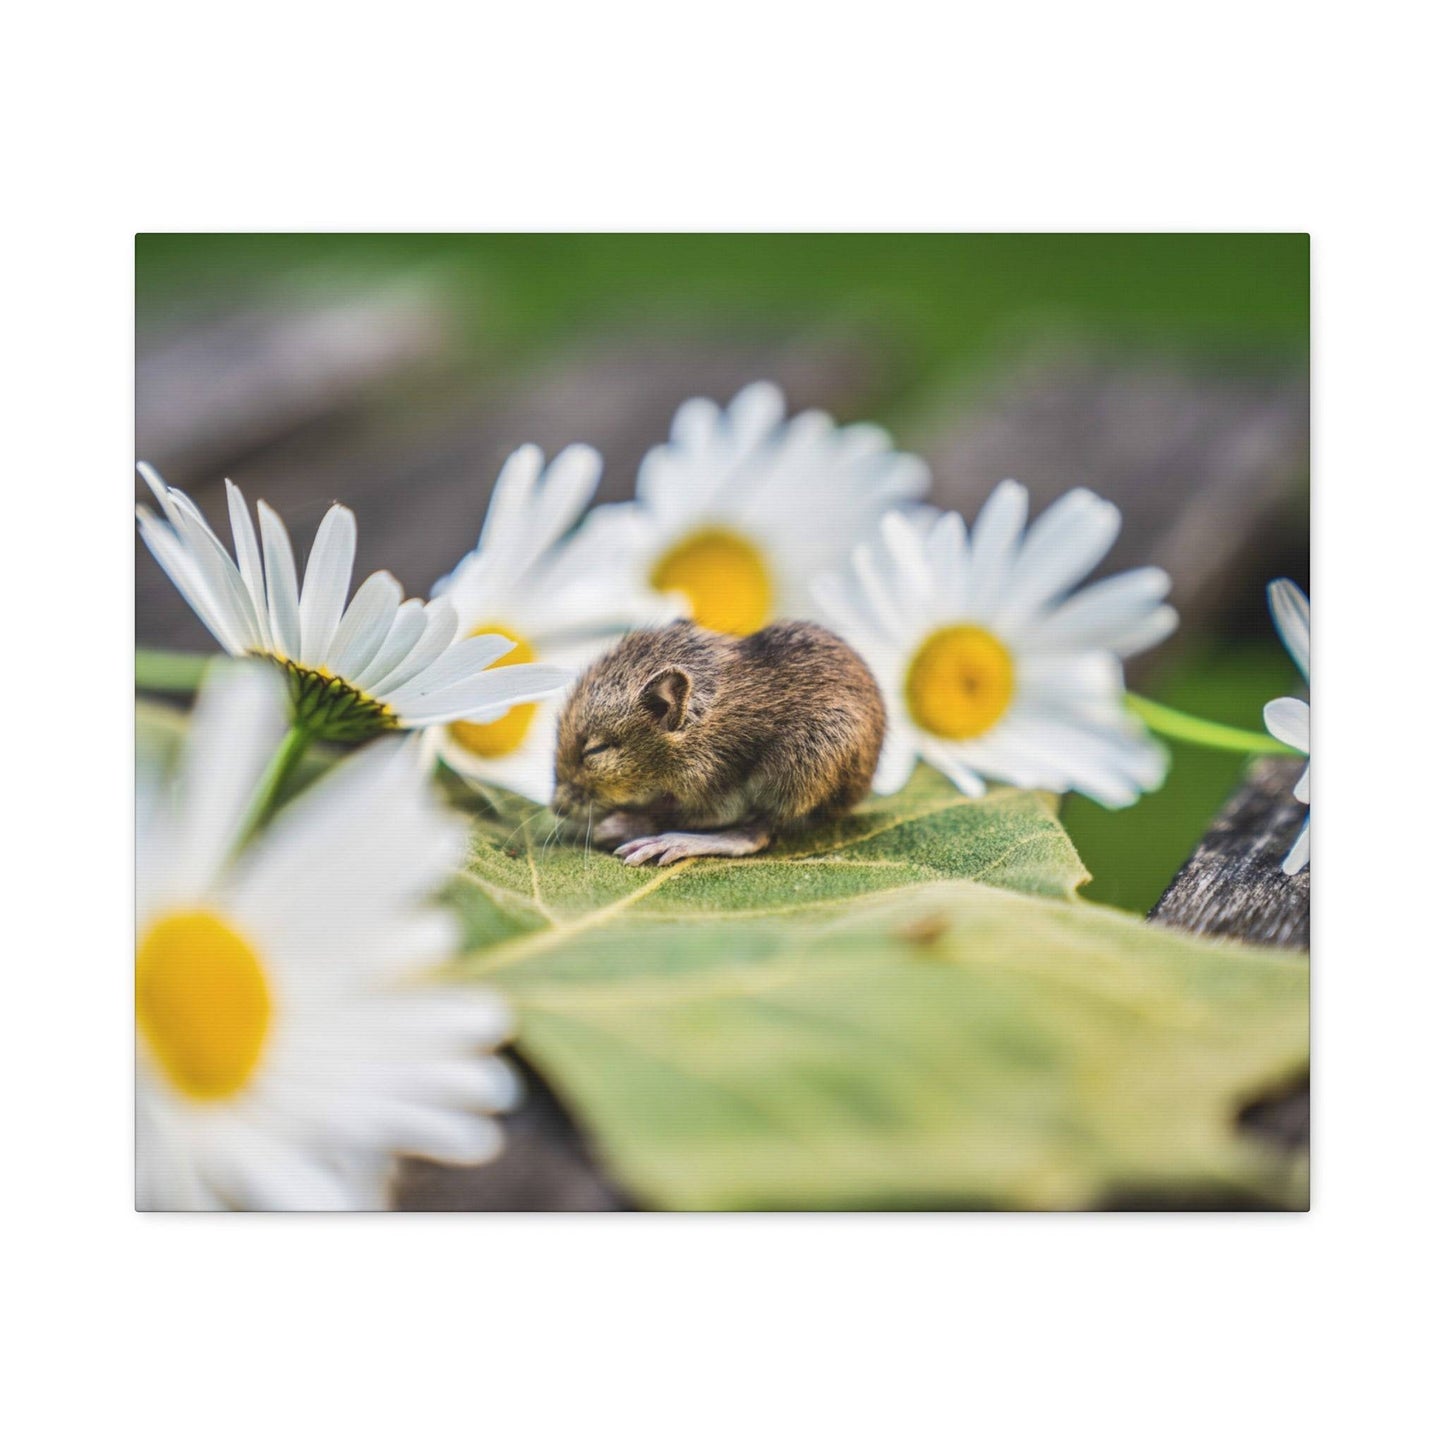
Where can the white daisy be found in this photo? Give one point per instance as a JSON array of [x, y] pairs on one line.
[[741, 510], [988, 667], [288, 1042], [560, 602], [353, 670], [1288, 718]]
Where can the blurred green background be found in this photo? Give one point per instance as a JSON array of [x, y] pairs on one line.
[[948, 305]]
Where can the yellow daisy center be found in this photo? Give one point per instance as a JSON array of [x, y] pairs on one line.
[[723, 576], [497, 739], [202, 1003], [960, 682]]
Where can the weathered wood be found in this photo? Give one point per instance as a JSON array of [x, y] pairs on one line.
[[1232, 887], [1203, 462]]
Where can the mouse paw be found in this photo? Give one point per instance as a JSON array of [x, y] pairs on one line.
[[667, 848], [621, 827]]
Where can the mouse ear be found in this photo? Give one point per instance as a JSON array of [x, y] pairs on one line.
[[664, 699]]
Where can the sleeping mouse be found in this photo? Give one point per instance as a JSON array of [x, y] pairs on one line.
[[684, 743]]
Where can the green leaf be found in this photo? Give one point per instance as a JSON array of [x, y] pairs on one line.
[[910, 1008], [528, 881]]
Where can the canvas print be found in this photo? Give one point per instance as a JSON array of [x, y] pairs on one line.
[[722, 722]]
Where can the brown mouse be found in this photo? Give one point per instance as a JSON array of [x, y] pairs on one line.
[[683, 743]]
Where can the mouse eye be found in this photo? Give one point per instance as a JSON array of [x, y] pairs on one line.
[[593, 748]]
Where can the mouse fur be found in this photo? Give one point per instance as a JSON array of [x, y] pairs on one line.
[[681, 742]]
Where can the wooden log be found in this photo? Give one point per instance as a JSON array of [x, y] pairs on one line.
[[1232, 887]]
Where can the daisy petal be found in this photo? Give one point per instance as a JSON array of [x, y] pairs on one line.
[[532, 508], [948, 558], [904, 546], [178, 564], [356, 844], [1299, 855], [406, 630], [755, 411], [951, 765], [281, 596], [507, 510], [993, 546], [159, 490], [896, 761], [258, 1168], [460, 661], [527, 770], [441, 1134], [1291, 611], [227, 589], [436, 637], [1147, 632], [1288, 719], [500, 687], [1098, 614], [364, 625], [1062, 547], [248, 557], [328, 579], [239, 719]]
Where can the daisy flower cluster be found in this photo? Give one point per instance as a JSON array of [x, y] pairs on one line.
[[291, 1038], [990, 668], [735, 516], [995, 663]]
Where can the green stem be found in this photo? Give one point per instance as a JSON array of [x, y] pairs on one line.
[[157, 671], [292, 750], [1169, 722]]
